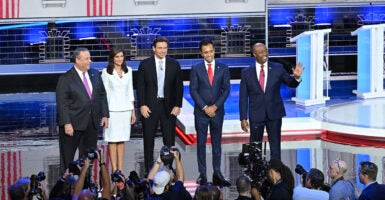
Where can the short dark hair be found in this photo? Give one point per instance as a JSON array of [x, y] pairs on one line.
[[159, 39], [316, 178], [18, 189], [370, 169], [243, 184], [77, 51], [205, 43]]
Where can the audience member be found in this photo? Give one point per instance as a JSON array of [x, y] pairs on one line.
[[20, 189], [80, 193], [314, 181], [368, 175], [243, 188], [282, 179], [64, 187], [340, 189], [161, 181], [208, 191]]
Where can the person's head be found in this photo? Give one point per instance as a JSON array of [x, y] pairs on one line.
[[207, 50], [243, 185], [86, 194], [260, 53], [278, 171], [161, 182], [207, 192], [116, 58], [315, 179], [160, 47], [19, 190], [82, 59], [367, 172], [337, 169]]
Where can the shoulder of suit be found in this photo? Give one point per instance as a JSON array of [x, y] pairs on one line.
[[220, 64], [169, 59]]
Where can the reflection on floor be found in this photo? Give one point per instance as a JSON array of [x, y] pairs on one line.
[[28, 144]]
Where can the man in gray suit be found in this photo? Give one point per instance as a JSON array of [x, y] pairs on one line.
[[81, 107]]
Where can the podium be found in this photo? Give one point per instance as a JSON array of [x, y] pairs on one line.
[[310, 52], [370, 61]]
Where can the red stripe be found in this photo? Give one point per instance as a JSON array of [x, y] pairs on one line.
[[94, 8], [3, 193], [352, 139], [100, 7], [1, 9], [9, 168], [88, 7], [6, 9], [106, 7], [14, 166]]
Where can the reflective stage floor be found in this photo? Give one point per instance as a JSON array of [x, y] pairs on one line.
[[345, 127]]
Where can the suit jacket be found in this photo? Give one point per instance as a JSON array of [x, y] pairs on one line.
[[73, 103], [203, 93], [120, 92], [259, 104], [147, 84], [374, 191]]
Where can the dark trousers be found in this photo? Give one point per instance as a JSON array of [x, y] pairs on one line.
[[273, 128], [80, 139], [167, 125], [201, 126]]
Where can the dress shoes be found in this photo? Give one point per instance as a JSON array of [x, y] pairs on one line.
[[202, 179], [220, 180]]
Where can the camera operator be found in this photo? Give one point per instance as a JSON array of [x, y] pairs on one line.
[[22, 189], [79, 193], [64, 186], [314, 186], [340, 189], [123, 189], [167, 185]]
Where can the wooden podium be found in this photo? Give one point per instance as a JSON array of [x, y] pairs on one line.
[[370, 61], [310, 52]]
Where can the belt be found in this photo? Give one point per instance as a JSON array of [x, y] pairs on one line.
[[160, 98]]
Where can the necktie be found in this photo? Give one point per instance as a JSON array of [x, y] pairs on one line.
[[210, 73], [85, 82], [160, 76], [262, 78]]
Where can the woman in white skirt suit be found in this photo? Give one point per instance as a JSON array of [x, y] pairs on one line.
[[117, 79]]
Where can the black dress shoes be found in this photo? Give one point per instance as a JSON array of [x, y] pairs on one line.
[[220, 180], [202, 179]]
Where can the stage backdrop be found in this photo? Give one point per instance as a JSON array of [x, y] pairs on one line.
[[11, 9]]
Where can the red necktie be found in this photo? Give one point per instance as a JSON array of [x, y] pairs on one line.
[[85, 82], [210, 73], [262, 78]]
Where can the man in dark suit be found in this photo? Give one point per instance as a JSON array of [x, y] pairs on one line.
[[160, 94], [260, 98], [81, 107], [209, 88], [368, 176]]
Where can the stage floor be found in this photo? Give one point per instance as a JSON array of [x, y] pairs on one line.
[[345, 127]]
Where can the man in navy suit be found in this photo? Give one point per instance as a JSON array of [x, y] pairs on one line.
[[160, 94], [209, 88], [81, 107], [368, 175], [260, 100]]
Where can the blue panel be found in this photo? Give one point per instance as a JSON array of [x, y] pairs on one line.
[[363, 65], [303, 158], [324, 15], [303, 56], [360, 158], [279, 16]]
